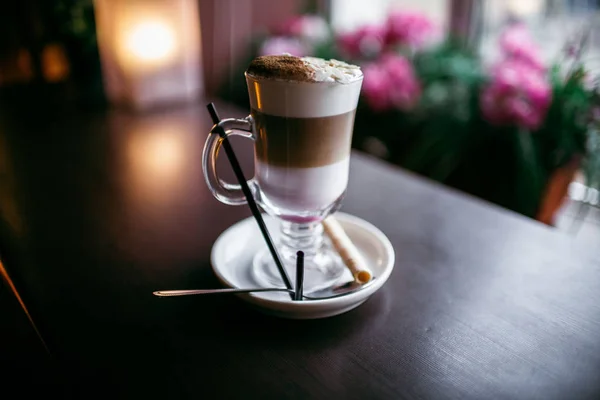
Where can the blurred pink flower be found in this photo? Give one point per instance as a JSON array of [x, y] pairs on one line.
[[409, 29], [366, 41], [518, 94], [279, 45], [375, 87], [516, 43], [391, 83], [405, 89]]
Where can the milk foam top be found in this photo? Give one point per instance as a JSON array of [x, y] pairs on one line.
[[303, 87], [332, 70]]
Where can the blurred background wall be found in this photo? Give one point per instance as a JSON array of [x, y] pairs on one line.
[[55, 40], [52, 39]]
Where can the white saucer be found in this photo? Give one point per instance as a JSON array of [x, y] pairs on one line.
[[232, 255]]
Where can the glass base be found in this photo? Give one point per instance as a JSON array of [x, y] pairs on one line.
[[321, 271]]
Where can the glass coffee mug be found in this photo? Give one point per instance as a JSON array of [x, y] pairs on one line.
[[302, 133]]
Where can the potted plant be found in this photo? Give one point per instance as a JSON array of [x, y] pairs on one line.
[[513, 131]]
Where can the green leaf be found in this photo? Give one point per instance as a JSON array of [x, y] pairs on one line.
[[530, 179]]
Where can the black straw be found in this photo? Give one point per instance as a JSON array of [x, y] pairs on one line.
[[299, 275], [235, 165]]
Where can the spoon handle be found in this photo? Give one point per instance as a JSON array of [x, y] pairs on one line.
[[171, 293]]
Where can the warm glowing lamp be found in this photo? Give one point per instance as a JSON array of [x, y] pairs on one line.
[[150, 50]]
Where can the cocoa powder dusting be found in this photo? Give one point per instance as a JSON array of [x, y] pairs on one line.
[[280, 67]]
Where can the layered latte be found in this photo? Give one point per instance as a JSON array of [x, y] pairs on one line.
[[303, 110]]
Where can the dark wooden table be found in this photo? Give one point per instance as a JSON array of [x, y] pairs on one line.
[[97, 210]]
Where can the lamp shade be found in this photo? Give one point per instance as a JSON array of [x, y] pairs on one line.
[[150, 51]]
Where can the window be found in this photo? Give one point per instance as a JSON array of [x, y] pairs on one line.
[[552, 22], [349, 14]]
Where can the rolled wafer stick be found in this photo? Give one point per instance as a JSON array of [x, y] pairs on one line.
[[347, 251]]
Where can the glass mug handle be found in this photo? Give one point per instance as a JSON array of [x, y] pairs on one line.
[[228, 193]]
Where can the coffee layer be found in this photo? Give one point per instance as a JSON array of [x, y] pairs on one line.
[[303, 142]]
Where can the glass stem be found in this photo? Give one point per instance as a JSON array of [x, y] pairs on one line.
[[307, 237]]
